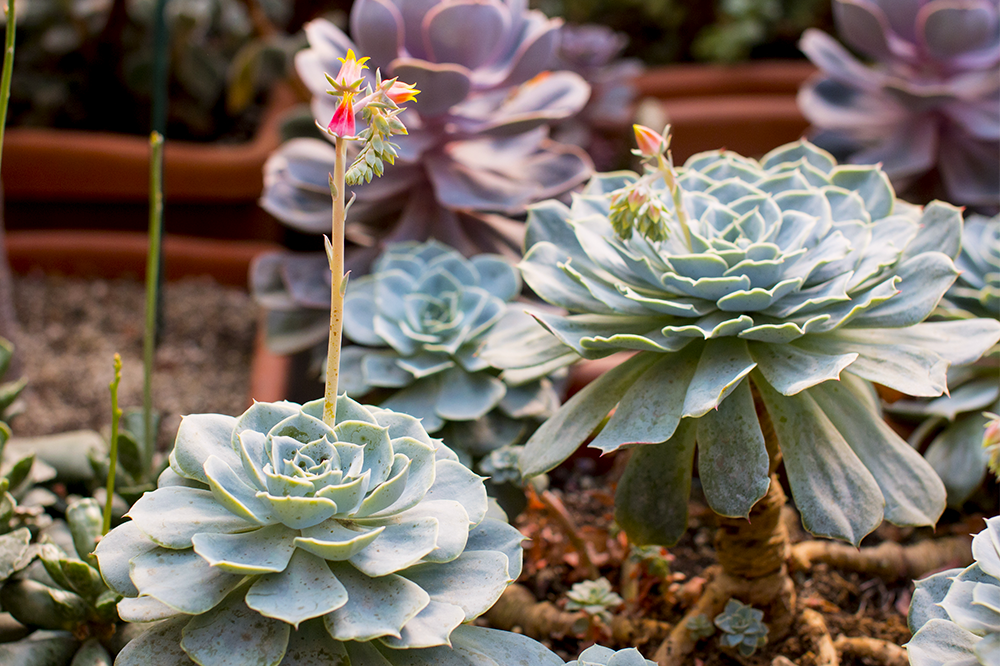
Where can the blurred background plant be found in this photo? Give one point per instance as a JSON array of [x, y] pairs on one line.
[[927, 107], [87, 64], [663, 31], [478, 150]]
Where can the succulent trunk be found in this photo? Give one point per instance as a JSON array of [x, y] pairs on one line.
[[753, 552]]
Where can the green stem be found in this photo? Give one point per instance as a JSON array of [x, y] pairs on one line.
[[152, 275], [116, 415], [335, 254], [666, 168], [8, 69]]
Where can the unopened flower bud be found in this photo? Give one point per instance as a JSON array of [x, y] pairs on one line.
[[650, 143]]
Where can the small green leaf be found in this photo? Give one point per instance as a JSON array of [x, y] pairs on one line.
[[91, 653], [37, 605], [19, 472], [83, 579], [13, 547], [85, 519]]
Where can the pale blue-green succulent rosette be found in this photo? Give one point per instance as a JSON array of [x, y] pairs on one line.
[[274, 538], [598, 655], [798, 272], [418, 322], [955, 614], [952, 425]]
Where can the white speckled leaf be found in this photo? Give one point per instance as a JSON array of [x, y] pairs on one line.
[[304, 590], [234, 635]]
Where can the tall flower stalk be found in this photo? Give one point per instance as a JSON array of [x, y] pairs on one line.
[[8, 68], [379, 106]]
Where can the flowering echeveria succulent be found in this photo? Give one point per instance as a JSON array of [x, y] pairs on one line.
[[954, 614], [931, 99], [952, 430], [274, 534], [478, 140], [780, 274], [418, 321], [598, 655]]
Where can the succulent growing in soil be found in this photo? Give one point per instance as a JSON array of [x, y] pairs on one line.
[[418, 321], [359, 539], [593, 597], [954, 614], [478, 145], [952, 430], [598, 655], [929, 101], [780, 274], [742, 627], [64, 611]]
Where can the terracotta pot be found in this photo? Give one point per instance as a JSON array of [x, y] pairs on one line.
[[114, 254], [57, 178], [749, 108]]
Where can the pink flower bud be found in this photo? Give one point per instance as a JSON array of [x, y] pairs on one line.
[[650, 143], [342, 124]]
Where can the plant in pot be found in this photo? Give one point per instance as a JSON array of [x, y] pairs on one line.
[[949, 428], [745, 289], [926, 109], [317, 533]]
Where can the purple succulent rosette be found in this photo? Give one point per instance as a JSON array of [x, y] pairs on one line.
[[272, 536], [930, 100], [478, 146]]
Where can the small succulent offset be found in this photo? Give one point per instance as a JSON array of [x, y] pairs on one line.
[[362, 538], [781, 274], [598, 655], [742, 627], [593, 597], [418, 321], [954, 614], [700, 627], [66, 610], [951, 433], [478, 147], [930, 100]]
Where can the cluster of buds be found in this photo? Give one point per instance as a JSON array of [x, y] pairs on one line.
[[991, 442], [379, 108], [638, 206]]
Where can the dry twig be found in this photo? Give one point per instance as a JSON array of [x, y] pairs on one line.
[[889, 560]]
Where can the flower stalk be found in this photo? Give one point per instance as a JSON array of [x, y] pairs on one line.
[[152, 287], [116, 415], [8, 68], [338, 282], [379, 108]]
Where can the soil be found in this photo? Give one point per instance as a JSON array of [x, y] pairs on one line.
[[851, 604], [72, 327]]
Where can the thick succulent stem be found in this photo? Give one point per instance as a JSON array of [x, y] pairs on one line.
[[335, 254]]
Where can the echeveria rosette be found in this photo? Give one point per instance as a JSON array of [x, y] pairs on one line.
[[478, 145], [598, 655], [800, 272], [418, 322], [931, 100], [955, 614], [951, 433], [273, 534]]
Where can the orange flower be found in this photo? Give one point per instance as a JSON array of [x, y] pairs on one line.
[[400, 92]]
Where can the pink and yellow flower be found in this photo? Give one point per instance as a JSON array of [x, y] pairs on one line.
[[351, 70], [342, 124], [400, 92], [650, 142]]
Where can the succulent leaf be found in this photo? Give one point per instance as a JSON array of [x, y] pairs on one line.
[[954, 614]]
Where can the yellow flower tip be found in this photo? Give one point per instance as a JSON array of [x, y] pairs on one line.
[[351, 68], [400, 92]]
